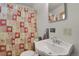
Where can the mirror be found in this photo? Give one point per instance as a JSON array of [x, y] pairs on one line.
[[57, 12]]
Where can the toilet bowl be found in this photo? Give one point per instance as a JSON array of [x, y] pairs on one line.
[[29, 53]]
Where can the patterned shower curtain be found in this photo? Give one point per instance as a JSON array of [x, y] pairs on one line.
[[17, 28]]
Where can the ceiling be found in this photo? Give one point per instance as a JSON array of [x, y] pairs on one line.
[[53, 6]]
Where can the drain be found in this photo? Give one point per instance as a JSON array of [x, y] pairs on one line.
[[50, 53]]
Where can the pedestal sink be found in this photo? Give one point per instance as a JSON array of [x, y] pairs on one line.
[[49, 47]]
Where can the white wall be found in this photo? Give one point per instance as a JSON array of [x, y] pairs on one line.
[[72, 21], [42, 19]]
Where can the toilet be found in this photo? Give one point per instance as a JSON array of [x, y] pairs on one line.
[[29, 53]]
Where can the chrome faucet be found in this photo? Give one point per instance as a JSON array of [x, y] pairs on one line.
[[55, 40]]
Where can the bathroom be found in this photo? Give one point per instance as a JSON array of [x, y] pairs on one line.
[[40, 29]]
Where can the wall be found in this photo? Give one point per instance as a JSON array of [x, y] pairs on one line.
[[42, 19], [72, 22]]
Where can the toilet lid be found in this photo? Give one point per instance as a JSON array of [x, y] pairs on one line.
[[28, 53]]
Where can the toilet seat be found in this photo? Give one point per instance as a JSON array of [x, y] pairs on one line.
[[29, 53]]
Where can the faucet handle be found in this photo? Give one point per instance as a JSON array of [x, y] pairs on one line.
[[54, 37], [55, 40]]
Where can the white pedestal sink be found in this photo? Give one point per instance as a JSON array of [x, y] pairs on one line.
[[48, 47]]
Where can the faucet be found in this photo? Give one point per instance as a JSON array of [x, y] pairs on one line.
[[55, 40]]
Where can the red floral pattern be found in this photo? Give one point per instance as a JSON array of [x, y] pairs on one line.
[[17, 22], [9, 29], [2, 22]]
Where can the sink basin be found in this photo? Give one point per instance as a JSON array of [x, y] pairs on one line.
[[49, 48]]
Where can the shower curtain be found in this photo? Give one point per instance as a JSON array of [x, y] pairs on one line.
[[17, 29]]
